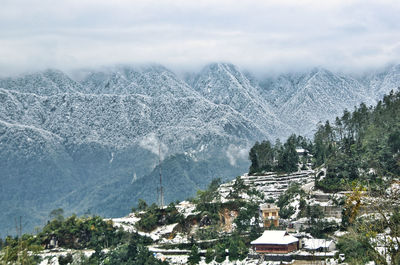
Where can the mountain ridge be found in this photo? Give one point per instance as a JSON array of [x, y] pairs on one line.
[[88, 138]]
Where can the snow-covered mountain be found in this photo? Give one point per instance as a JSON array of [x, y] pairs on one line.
[[88, 139], [46, 83], [302, 100], [225, 84], [78, 144], [381, 82]]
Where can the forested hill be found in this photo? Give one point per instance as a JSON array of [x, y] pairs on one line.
[[362, 145], [91, 144]]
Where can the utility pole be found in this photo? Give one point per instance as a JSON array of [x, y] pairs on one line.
[[159, 166]]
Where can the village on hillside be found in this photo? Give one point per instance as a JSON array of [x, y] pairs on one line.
[[280, 218]]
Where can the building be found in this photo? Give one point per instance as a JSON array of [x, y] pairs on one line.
[[275, 242], [270, 214], [302, 152], [318, 245]]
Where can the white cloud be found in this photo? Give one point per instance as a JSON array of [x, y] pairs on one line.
[[256, 34], [235, 153], [152, 143]]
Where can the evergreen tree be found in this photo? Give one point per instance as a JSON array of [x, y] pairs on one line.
[[288, 157], [209, 255], [220, 253], [194, 256], [233, 249], [243, 250]]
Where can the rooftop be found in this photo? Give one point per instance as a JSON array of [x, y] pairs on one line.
[[276, 237], [314, 243], [267, 206]]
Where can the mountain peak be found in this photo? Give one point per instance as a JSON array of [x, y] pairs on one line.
[[47, 82]]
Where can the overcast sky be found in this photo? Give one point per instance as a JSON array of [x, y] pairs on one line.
[[182, 34]]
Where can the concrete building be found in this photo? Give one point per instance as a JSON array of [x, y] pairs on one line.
[[270, 214], [275, 242]]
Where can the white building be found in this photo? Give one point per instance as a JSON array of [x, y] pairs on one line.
[[320, 245]]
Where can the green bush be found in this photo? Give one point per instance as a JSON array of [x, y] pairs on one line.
[[155, 216], [210, 254]]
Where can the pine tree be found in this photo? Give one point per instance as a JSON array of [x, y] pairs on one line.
[[194, 257], [233, 249], [209, 255], [220, 253]]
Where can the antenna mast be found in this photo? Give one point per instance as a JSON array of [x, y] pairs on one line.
[[159, 166]]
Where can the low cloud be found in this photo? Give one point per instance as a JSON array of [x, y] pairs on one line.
[[152, 143], [235, 153], [258, 35]]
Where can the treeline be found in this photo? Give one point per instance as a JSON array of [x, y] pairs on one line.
[[79, 233], [362, 145], [266, 156]]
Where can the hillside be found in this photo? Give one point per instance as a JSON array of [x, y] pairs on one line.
[[343, 190], [77, 144]]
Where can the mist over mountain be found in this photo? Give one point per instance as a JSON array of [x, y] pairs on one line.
[[79, 144]]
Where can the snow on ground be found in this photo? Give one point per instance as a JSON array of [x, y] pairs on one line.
[[186, 208], [308, 187], [160, 231], [340, 233], [333, 219], [50, 257], [270, 183], [295, 203], [128, 224], [182, 259], [178, 239]]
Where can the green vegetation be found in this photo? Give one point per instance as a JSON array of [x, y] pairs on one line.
[[237, 248], [356, 248], [15, 250], [81, 233], [220, 252], [363, 145], [194, 256], [368, 232], [361, 150], [210, 254], [133, 252], [281, 158], [318, 227], [208, 203], [155, 216], [284, 199]]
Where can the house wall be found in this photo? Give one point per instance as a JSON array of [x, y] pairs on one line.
[[271, 216], [276, 249], [267, 222]]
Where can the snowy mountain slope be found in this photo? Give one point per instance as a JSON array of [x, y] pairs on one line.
[[49, 82], [381, 82], [78, 145], [153, 81], [35, 169], [303, 100], [103, 139], [280, 89], [120, 120], [224, 84]]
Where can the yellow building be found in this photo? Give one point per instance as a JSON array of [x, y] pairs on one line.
[[270, 214]]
